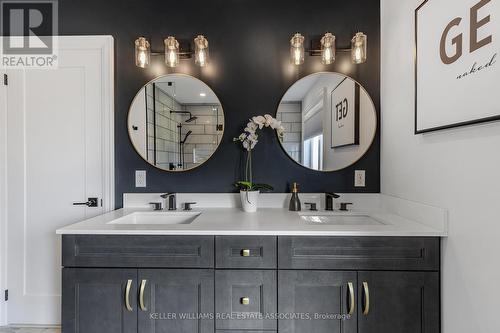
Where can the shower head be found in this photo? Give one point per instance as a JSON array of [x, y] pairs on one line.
[[186, 136], [191, 118]]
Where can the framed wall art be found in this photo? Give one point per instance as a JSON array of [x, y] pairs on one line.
[[345, 114], [457, 69]]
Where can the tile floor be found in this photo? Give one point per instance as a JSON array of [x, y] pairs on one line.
[[29, 330]]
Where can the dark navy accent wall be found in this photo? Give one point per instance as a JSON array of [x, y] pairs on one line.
[[249, 71]]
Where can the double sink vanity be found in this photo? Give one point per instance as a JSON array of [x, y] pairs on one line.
[[216, 268], [210, 267]]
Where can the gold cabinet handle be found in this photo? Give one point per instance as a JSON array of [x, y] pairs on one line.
[[127, 296], [141, 295], [351, 298], [245, 253], [366, 290]]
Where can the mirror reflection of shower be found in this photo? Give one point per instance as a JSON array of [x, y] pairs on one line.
[[183, 126]]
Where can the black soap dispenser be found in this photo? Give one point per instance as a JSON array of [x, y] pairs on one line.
[[294, 200]]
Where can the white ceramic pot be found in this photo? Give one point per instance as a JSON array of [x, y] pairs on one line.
[[249, 200]]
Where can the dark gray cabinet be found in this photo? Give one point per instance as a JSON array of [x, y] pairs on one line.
[[250, 284], [320, 301], [144, 300], [96, 300], [176, 300], [398, 302]]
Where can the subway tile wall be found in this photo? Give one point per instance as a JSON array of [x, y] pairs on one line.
[[163, 130], [162, 125], [290, 115], [206, 135]]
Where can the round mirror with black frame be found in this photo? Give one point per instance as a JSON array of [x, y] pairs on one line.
[[176, 122], [330, 121]]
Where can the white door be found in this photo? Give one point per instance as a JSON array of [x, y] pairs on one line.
[[59, 152], [3, 197]]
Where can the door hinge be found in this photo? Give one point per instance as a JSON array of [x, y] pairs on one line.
[[6, 295], [5, 80]]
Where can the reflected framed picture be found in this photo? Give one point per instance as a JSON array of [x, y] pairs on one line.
[[345, 114], [457, 68]]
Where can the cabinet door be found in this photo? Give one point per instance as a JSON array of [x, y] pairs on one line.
[[398, 302], [317, 301], [176, 300], [96, 300]]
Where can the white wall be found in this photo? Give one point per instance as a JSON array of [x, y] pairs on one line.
[[458, 169]]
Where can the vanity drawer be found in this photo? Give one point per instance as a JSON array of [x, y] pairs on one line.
[[247, 295], [137, 251], [246, 252], [243, 331], [359, 253]]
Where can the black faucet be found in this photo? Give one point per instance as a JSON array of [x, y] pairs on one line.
[[172, 205], [187, 205], [329, 200], [156, 205], [312, 206]]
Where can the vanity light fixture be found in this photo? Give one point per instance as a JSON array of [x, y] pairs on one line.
[[297, 49], [171, 51], [358, 48], [327, 49], [142, 52], [174, 51], [201, 50]]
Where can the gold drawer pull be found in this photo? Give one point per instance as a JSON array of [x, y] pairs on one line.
[[141, 295], [127, 296], [351, 298], [245, 300], [245, 253], [366, 290]]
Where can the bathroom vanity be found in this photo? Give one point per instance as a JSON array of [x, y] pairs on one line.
[[231, 272]]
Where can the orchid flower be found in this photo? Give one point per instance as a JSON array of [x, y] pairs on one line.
[[249, 139]]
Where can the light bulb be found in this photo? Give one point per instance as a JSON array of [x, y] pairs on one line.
[[297, 49], [357, 55], [358, 48], [201, 58], [201, 51], [297, 56], [328, 53], [171, 51], [328, 49], [172, 59], [142, 52]]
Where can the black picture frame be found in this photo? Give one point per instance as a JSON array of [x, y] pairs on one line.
[[443, 127], [357, 96]]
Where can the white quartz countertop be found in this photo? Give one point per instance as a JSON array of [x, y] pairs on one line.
[[267, 221]]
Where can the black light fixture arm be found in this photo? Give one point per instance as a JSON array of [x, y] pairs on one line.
[[183, 55], [316, 52]]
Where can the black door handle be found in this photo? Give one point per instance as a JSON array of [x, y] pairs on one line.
[[92, 202]]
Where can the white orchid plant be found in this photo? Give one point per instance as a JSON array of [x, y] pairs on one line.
[[249, 139]]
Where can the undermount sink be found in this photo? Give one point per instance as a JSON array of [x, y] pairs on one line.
[[327, 218], [157, 218]]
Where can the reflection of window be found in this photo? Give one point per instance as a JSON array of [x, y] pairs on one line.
[[313, 152]]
